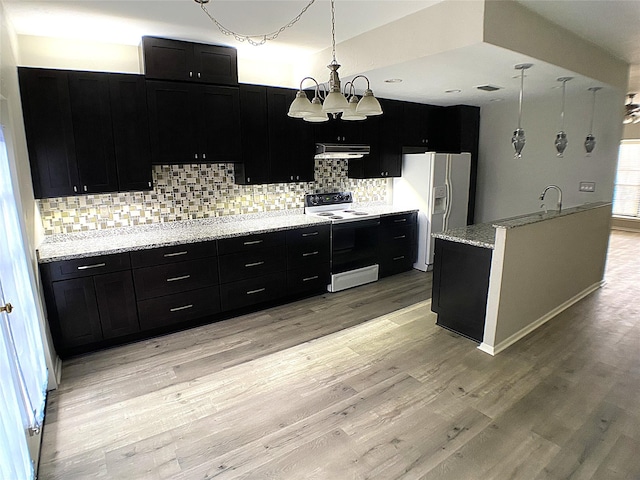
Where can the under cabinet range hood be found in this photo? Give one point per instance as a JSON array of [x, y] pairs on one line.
[[340, 150]]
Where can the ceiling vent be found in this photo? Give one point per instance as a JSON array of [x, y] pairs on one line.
[[488, 88]]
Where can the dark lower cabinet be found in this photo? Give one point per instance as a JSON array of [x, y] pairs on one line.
[[460, 286], [308, 259], [252, 291], [179, 308], [116, 304], [397, 245]]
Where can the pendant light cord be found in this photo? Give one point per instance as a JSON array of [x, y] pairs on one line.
[[260, 39], [521, 97], [564, 83], [593, 109]]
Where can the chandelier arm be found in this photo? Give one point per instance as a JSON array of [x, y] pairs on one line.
[[314, 81], [361, 76], [262, 38]]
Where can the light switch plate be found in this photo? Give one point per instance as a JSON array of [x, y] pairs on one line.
[[587, 187]]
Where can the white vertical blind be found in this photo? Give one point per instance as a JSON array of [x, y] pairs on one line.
[[626, 195], [22, 361]]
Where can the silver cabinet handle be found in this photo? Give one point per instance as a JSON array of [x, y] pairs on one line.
[[399, 237], [173, 279], [400, 220], [204, 156], [253, 242], [190, 74], [174, 254], [315, 277], [309, 234], [398, 258], [75, 189], [84, 187], [86, 267], [251, 292], [254, 264], [184, 307], [310, 254], [198, 74]]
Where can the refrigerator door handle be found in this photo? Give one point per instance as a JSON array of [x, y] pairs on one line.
[[448, 198]]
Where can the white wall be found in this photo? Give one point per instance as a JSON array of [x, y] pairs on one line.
[[509, 187]]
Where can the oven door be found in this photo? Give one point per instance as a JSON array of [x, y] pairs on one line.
[[354, 244]]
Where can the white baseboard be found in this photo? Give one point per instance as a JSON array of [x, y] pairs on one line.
[[494, 350]]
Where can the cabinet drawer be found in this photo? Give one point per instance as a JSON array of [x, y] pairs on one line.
[[250, 243], [241, 266], [400, 219], [178, 308], [253, 291], [397, 237], [396, 261], [307, 256], [308, 279], [172, 254], [85, 267], [316, 234], [175, 277]]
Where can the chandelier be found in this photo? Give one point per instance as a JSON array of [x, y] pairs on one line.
[[334, 101]]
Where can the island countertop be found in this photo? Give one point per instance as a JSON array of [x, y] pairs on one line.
[[483, 234], [69, 246]]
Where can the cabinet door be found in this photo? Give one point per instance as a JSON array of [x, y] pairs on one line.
[[291, 144], [171, 123], [254, 130], [215, 64], [116, 304], [130, 131], [49, 130], [421, 127], [77, 311], [91, 114], [217, 128], [166, 59]]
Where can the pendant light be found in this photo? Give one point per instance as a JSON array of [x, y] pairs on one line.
[[590, 141], [561, 137], [518, 140], [335, 101]]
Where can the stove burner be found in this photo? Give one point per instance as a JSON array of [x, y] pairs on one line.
[[349, 211], [326, 214], [360, 213], [335, 217]]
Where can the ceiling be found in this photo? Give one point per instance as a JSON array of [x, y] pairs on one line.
[[610, 24]]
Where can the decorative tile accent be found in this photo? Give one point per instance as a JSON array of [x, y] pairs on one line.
[[185, 192]]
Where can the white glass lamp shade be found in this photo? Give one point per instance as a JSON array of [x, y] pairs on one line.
[[369, 105], [301, 106], [317, 114], [561, 143], [335, 103], [350, 113], [518, 140], [590, 143]]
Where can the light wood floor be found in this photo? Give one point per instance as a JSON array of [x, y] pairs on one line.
[[362, 385]]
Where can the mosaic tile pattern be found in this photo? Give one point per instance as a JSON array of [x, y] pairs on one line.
[[185, 192]]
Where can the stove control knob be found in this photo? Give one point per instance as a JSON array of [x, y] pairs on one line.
[[314, 200], [338, 197], [347, 197]]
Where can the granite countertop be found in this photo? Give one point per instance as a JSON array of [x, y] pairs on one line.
[[483, 234], [126, 239]]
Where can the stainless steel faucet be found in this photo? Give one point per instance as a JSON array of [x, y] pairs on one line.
[[544, 192]]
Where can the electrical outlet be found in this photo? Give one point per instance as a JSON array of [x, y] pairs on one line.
[[587, 187]]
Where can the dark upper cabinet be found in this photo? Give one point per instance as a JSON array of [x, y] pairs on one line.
[[86, 132], [422, 127], [291, 145], [336, 130], [166, 59], [91, 118], [130, 131], [193, 123], [254, 125], [462, 129], [49, 131], [384, 135]]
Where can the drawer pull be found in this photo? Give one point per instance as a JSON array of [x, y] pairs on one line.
[[308, 254], [173, 279], [308, 279], [309, 234], [400, 220], [253, 242], [86, 267], [177, 309], [175, 254], [254, 264], [251, 292], [398, 258], [399, 237]]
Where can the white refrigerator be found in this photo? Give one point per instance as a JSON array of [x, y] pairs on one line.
[[438, 185]]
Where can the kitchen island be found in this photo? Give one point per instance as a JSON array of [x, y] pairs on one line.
[[519, 272]]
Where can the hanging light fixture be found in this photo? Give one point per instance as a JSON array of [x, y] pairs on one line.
[[561, 137], [631, 110], [590, 141], [335, 101], [518, 140]]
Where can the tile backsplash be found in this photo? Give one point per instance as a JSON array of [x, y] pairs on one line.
[[185, 192]]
